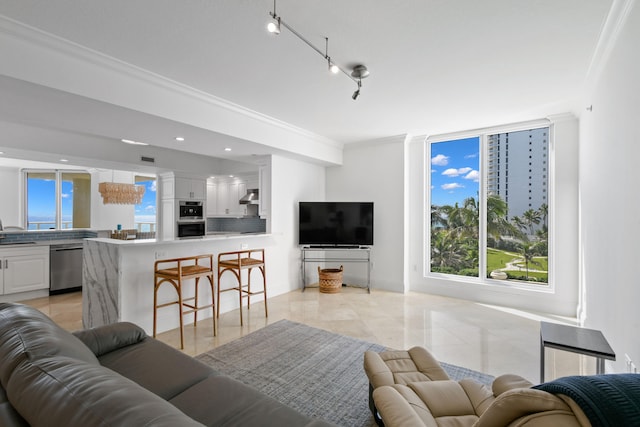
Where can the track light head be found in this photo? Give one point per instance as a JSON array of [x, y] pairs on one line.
[[355, 94], [274, 25], [333, 68]]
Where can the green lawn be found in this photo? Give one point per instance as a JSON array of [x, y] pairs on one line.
[[498, 259]]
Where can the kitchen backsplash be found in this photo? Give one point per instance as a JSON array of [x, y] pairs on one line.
[[40, 236], [241, 225]]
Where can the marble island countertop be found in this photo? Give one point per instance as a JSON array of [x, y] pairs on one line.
[[209, 237]]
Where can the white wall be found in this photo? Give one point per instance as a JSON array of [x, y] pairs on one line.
[[609, 204], [291, 182], [374, 171], [10, 199]]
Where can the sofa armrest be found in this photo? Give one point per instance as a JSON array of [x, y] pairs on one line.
[[394, 409], [107, 338], [508, 382], [515, 404]]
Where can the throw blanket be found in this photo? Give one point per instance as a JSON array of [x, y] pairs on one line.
[[607, 400]]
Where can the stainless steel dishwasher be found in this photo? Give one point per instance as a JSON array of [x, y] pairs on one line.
[[65, 268]]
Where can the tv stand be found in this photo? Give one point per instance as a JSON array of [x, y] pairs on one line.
[[334, 247], [341, 254]]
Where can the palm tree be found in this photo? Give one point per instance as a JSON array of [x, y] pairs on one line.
[[531, 217], [497, 223], [543, 210], [447, 250], [527, 251]]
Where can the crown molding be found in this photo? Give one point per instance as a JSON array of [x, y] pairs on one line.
[[34, 36], [611, 28]]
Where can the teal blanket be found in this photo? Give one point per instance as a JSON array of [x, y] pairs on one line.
[[607, 400]]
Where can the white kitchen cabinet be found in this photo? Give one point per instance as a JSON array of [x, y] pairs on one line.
[[222, 198], [212, 199], [190, 189], [24, 269], [228, 197], [264, 186]]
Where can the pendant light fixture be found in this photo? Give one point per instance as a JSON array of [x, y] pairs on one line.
[[358, 73]]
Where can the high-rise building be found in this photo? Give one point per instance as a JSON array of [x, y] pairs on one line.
[[518, 169]]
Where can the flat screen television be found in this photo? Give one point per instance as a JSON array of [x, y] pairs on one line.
[[336, 223]]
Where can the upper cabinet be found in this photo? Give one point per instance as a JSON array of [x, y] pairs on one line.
[[212, 202], [264, 185], [190, 189], [223, 197]]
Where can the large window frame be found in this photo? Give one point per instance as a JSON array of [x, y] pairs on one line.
[[81, 210], [483, 135]]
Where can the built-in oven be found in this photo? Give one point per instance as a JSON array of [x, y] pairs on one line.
[[190, 210], [191, 229]]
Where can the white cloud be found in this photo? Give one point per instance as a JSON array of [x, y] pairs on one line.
[[150, 208], [64, 195], [471, 156], [451, 186], [440, 160], [473, 175], [154, 186], [452, 172]]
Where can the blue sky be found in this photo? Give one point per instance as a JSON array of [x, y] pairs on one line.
[[146, 211], [455, 169]]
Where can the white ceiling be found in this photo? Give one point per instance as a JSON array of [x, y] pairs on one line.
[[436, 65]]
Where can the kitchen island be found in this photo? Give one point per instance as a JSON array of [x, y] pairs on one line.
[[118, 277]]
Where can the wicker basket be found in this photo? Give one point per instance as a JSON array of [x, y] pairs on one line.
[[330, 280]]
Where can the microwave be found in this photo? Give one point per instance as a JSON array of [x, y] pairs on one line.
[[191, 229], [190, 210]]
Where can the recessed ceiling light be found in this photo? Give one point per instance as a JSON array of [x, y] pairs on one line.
[[64, 160], [230, 176], [132, 142], [1, 152], [227, 149], [179, 138]]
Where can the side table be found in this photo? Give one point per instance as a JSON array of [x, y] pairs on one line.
[[576, 340]]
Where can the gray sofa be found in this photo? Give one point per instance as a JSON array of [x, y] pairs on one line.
[[116, 375]]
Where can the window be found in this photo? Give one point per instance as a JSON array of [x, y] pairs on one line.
[[475, 229], [57, 200], [145, 212]]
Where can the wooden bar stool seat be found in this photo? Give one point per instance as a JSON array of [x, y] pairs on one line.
[[235, 262], [175, 271]]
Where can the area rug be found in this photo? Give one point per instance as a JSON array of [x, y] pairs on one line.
[[316, 372]]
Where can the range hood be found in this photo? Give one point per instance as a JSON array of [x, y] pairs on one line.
[[251, 198]]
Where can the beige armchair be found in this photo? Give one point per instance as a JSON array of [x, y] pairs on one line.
[[466, 403]]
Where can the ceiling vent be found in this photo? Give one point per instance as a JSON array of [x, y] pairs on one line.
[[147, 159]]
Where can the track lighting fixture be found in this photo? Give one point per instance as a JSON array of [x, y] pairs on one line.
[[358, 73], [274, 26]]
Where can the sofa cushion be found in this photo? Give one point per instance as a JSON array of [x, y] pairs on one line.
[[232, 403], [8, 415], [61, 391], [27, 333], [157, 367]]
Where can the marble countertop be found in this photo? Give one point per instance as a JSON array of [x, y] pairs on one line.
[[207, 238]]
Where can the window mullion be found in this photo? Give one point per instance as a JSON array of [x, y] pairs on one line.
[[482, 202]]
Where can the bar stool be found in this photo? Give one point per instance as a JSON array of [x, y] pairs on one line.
[[175, 271], [235, 262]]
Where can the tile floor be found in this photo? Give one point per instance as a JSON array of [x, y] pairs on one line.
[[490, 339]]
